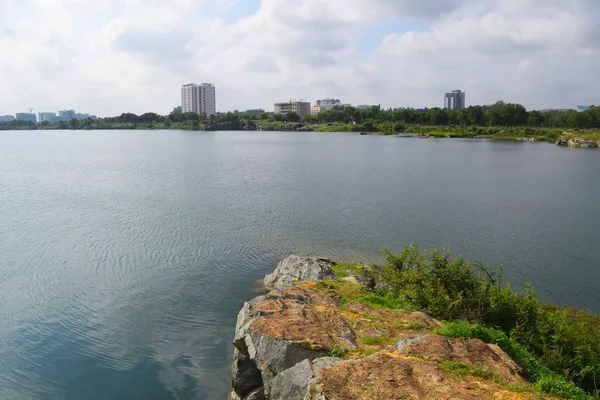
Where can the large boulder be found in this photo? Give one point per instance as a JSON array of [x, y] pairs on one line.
[[276, 332], [298, 382], [296, 268]]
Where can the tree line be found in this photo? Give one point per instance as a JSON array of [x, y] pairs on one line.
[[500, 114]]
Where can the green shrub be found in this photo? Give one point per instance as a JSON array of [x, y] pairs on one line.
[[450, 289]]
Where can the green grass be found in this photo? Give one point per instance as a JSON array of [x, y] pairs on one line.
[[377, 341], [340, 270], [460, 370], [333, 128], [337, 352], [387, 302]]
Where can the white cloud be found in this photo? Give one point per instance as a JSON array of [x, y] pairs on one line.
[[111, 56]]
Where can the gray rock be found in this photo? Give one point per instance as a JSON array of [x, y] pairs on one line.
[[261, 362], [292, 384], [298, 382], [246, 376], [296, 268], [407, 342], [274, 356]]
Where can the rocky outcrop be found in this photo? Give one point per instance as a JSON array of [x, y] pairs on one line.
[[305, 340], [569, 140], [582, 143], [296, 268], [290, 127]]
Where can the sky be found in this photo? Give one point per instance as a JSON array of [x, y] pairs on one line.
[[107, 57]]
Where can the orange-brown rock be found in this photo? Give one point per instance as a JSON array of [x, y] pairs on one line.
[[388, 376], [470, 352], [425, 320]]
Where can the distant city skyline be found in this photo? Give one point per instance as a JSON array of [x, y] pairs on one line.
[[46, 116], [304, 107]]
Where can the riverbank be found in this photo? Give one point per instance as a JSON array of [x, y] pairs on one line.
[[430, 326], [497, 133]]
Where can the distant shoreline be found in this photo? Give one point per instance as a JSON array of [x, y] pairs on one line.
[[583, 138]]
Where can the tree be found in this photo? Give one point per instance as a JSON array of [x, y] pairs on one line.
[[151, 117], [128, 118], [293, 117], [437, 116], [190, 116], [536, 118], [514, 114], [73, 123]]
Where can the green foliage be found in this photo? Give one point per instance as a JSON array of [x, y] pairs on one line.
[[341, 270], [377, 341], [335, 128], [449, 288], [544, 340], [337, 352], [385, 301]]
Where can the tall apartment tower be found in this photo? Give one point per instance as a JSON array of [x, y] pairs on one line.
[[201, 99], [454, 100]]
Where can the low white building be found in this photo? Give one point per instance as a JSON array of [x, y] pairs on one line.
[[330, 104], [299, 107]]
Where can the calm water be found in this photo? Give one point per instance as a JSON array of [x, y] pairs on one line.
[[125, 256]]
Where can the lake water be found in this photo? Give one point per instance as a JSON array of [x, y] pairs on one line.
[[126, 255]]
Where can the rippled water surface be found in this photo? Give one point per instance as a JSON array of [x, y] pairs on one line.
[[125, 256]]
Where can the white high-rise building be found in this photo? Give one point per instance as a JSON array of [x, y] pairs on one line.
[[200, 99]]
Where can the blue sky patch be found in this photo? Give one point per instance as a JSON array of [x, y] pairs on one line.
[[368, 39]]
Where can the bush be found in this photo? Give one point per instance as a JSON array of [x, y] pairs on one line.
[[566, 341], [450, 289]]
